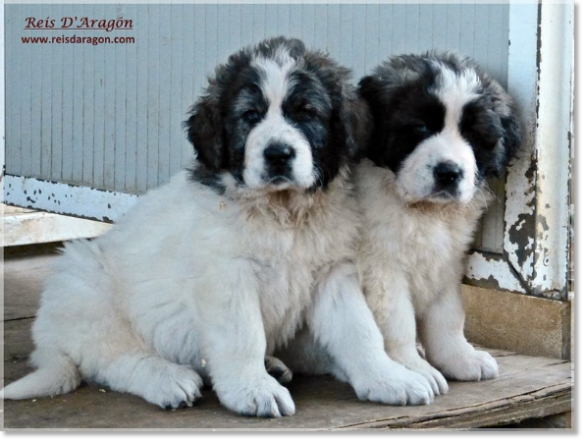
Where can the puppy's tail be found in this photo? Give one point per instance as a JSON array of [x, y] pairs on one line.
[[57, 374]]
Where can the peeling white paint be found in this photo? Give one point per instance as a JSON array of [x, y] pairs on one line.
[[553, 146], [480, 268], [66, 199], [523, 85], [536, 234]]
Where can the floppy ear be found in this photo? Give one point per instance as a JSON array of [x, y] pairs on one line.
[[377, 93], [512, 134], [351, 125], [372, 90], [510, 130], [205, 130]]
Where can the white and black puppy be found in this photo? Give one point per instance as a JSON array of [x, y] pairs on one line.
[[441, 126], [208, 274]]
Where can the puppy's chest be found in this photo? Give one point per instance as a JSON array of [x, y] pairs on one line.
[[287, 263], [429, 251], [429, 244]]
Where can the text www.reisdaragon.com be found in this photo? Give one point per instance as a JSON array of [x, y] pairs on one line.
[[73, 39]]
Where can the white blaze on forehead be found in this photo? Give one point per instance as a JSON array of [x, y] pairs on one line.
[[276, 82], [274, 127], [455, 90]]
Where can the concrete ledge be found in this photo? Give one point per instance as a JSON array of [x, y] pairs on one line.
[[511, 321]]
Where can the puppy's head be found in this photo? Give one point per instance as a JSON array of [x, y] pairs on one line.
[[440, 124], [276, 117]]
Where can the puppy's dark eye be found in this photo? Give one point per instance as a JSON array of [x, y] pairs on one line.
[[306, 112], [252, 116], [420, 129]]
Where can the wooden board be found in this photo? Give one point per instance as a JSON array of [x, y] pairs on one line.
[[22, 227], [24, 279], [527, 387], [525, 324]]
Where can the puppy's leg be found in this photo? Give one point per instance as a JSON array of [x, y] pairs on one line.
[[306, 356], [395, 314], [234, 345], [343, 324], [157, 380], [445, 345], [278, 370]]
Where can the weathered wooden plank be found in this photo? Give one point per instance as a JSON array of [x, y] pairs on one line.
[[527, 387], [24, 278], [557, 399], [526, 324], [41, 227]]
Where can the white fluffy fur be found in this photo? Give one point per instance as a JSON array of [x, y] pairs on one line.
[[411, 264], [191, 286]]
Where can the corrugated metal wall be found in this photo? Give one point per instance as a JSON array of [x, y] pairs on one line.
[[109, 116]]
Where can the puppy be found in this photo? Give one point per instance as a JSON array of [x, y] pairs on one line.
[[441, 126], [208, 274]]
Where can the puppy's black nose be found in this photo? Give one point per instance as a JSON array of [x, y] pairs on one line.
[[447, 174], [279, 153]]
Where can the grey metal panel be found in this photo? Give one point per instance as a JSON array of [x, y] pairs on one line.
[[109, 116]]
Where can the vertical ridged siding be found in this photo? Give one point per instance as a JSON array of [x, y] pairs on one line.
[[109, 116]]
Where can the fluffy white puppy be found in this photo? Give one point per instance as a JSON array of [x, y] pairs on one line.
[[441, 126], [208, 274]]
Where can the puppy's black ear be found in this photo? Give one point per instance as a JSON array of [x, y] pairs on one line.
[[371, 88], [510, 130], [513, 134], [205, 130], [352, 125], [349, 124]]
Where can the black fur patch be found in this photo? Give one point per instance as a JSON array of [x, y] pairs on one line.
[[208, 178]]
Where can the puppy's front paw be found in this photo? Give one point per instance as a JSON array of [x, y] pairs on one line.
[[432, 375], [263, 398], [395, 385], [471, 366], [175, 387]]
